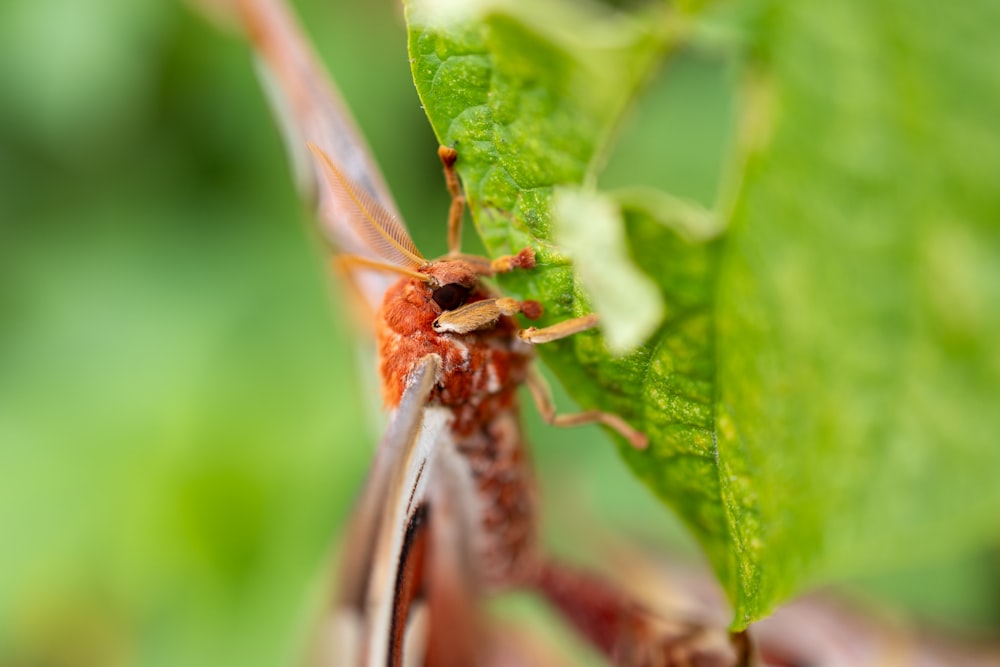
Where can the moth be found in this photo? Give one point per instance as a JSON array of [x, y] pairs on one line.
[[448, 512]]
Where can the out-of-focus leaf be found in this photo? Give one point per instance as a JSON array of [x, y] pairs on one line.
[[819, 394], [180, 432], [70, 87], [859, 296]]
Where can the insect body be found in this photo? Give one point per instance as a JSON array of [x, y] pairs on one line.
[[448, 510], [452, 358], [480, 371]]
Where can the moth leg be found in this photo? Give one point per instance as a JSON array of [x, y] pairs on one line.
[[522, 260], [559, 330], [448, 156], [630, 634], [542, 395], [507, 263]]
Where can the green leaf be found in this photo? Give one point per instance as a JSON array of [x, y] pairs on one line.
[[819, 395], [858, 318]]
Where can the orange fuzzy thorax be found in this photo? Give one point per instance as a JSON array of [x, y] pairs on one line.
[[480, 370]]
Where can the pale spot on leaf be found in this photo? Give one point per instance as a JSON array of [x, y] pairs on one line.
[[589, 226]]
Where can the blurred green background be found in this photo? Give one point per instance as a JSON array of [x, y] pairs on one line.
[[180, 437]]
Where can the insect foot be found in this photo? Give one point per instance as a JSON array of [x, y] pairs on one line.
[[628, 633], [677, 645]]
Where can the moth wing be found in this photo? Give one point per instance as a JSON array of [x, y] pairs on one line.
[[397, 444], [396, 605], [386, 538], [309, 108], [455, 636], [401, 549]]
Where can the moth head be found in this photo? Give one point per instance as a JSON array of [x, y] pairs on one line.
[[452, 283], [457, 275]]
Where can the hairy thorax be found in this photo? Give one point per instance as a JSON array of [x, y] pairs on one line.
[[480, 370]]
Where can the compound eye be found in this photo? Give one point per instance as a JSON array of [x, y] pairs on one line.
[[451, 296]]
